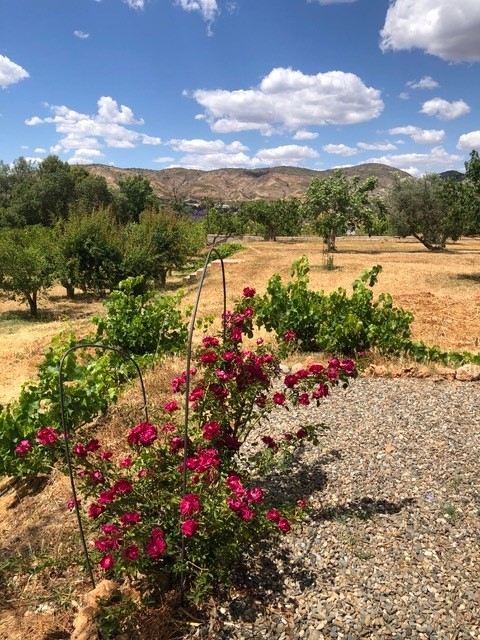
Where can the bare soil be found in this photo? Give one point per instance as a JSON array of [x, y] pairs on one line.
[[37, 534]]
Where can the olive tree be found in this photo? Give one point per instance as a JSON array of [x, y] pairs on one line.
[[428, 208]]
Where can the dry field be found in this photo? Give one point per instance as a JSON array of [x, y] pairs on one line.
[[441, 289]]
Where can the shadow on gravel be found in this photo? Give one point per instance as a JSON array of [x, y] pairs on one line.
[[363, 509], [472, 277]]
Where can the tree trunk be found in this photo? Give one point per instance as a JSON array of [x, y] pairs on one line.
[[332, 236], [70, 289], [32, 303]]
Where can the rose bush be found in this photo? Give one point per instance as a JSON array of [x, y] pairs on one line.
[[175, 506]]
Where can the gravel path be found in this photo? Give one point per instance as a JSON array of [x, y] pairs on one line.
[[391, 546]]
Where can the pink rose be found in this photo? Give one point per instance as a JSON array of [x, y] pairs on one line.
[[47, 436], [107, 562], [189, 504], [278, 398], [23, 447], [284, 525], [249, 292], [130, 552], [171, 406]]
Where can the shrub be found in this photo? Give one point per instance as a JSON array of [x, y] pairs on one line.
[[334, 323], [166, 492]]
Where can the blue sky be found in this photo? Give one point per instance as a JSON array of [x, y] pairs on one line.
[[206, 84]]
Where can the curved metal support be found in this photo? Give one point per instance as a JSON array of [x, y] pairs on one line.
[[187, 381], [65, 433]]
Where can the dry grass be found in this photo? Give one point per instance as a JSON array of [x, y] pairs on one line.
[[37, 586]]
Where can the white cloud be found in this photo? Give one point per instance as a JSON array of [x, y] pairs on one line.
[[404, 96], [81, 34], [207, 8], [40, 150], [215, 154], [86, 156], [424, 83], [163, 159], [436, 160], [289, 100], [291, 154], [80, 132], [376, 146], [444, 28], [205, 147], [421, 136], [445, 110], [135, 4], [303, 134], [332, 1], [339, 149], [10, 72], [469, 141]]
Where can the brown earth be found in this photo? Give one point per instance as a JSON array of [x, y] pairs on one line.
[[39, 588]]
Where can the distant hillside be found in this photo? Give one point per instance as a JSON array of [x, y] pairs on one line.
[[233, 185]]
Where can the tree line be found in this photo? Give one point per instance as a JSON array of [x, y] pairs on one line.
[[59, 222]]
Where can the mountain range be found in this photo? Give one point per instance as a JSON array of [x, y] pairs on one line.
[[236, 185]]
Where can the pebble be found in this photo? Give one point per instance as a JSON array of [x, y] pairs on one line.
[[390, 547]]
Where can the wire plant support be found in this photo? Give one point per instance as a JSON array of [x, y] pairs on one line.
[[93, 345], [61, 387]]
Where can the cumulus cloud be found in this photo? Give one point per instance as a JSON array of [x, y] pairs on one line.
[[215, 154], [424, 83], [163, 159], [40, 150], [85, 135], [339, 149], [10, 72], [376, 146], [303, 134], [469, 141], [444, 28], [436, 160], [289, 100], [422, 136], [81, 34], [445, 110], [404, 96]]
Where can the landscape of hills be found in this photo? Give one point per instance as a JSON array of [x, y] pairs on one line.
[[237, 185]]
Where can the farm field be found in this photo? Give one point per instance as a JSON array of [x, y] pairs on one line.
[[37, 534], [442, 290]]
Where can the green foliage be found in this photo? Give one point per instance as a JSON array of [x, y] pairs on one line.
[[142, 323], [274, 218], [428, 208], [162, 241], [224, 250], [115, 616], [335, 203], [335, 322], [472, 174], [89, 251], [138, 197], [26, 265]]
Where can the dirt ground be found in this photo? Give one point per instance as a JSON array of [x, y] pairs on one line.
[[441, 289], [38, 588]]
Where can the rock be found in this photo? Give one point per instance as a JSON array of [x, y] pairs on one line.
[[445, 372], [84, 627], [468, 372]]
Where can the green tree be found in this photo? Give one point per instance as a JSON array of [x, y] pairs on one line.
[[26, 264], [161, 242], [89, 252], [428, 208], [336, 203], [472, 174], [138, 196], [280, 217]]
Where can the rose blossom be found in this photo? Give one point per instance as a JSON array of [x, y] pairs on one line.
[[273, 515], [284, 525], [143, 433], [122, 486], [171, 406], [107, 562], [211, 429], [80, 450], [249, 292], [47, 435], [289, 336], [130, 517], [189, 504], [304, 399], [94, 510], [279, 398], [189, 527], [23, 447], [92, 445], [130, 552], [210, 341], [125, 462]]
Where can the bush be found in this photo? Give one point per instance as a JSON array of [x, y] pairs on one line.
[[334, 323], [165, 491]]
